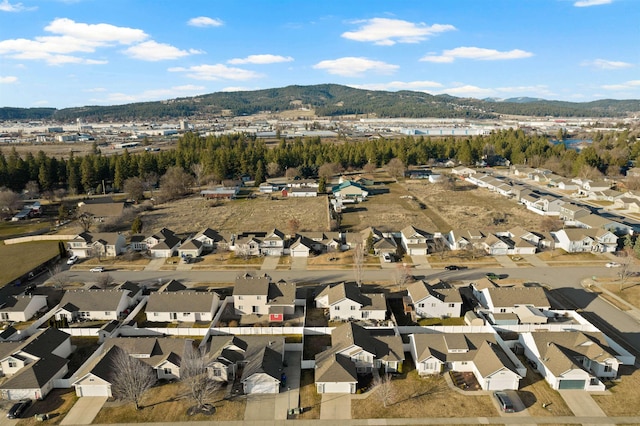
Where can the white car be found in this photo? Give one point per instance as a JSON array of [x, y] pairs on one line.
[[97, 269], [73, 259], [612, 265]]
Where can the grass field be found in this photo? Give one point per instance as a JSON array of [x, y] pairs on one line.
[[12, 229], [57, 404], [535, 391], [309, 398], [624, 399], [168, 403], [414, 396], [194, 213], [18, 259]]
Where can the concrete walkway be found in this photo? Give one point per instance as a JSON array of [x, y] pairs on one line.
[[335, 406], [506, 262], [84, 410], [299, 263], [270, 263], [420, 262], [155, 264], [534, 260]]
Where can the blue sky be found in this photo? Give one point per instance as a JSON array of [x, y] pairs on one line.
[[62, 53]]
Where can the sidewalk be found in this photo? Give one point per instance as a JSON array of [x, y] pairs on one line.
[[631, 311], [155, 264]]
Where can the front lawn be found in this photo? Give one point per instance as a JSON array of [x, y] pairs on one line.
[[309, 399], [535, 391], [18, 259], [413, 396], [624, 399], [168, 403], [57, 404]]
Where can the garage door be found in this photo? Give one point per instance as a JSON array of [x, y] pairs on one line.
[[502, 384], [571, 384], [88, 390], [337, 387]]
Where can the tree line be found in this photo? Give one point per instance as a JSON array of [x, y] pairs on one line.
[[216, 158]]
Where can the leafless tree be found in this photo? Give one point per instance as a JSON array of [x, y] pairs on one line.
[[175, 183], [242, 251], [358, 262], [401, 275], [9, 200], [60, 194], [198, 171], [384, 389], [104, 281], [134, 187], [150, 181], [440, 246], [292, 172], [369, 168], [328, 170], [33, 189], [131, 377], [550, 223], [293, 226], [195, 377], [86, 221], [589, 172], [273, 169], [58, 277], [624, 271], [395, 167]]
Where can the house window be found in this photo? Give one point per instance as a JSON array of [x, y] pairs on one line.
[[167, 371], [608, 368], [239, 297], [12, 364], [240, 308], [107, 313], [186, 314], [420, 305], [155, 314], [5, 316], [353, 308], [217, 372], [451, 305], [503, 310], [258, 297], [337, 308], [433, 305], [255, 309]]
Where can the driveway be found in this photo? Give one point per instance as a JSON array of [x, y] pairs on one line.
[[84, 410], [505, 261], [299, 263], [155, 264], [581, 403], [335, 406], [420, 262], [289, 396], [270, 263]]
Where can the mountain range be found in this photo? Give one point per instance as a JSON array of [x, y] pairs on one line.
[[330, 100]]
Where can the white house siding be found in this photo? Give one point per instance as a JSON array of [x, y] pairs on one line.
[[261, 383], [179, 316], [432, 307], [345, 309], [161, 253], [336, 387], [168, 371], [378, 315], [501, 380], [429, 366], [299, 251], [37, 303], [244, 304], [93, 386]]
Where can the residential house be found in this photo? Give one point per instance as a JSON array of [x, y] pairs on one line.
[[22, 308], [303, 191], [572, 359], [302, 247], [575, 240], [506, 299], [164, 243], [34, 364], [163, 355], [630, 204], [504, 243], [380, 244], [258, 295], [182, 306], [495, 246], [257, 360], [542, 205], [350, 190], [571, 212], [273, 243], [356, 350], [246, 245], [190, 248], [209, 238], [415, 241], [137, 243], [479, 353], [567, 185], [107, 244], [464, 239], [228, 192], [435, 300], [346, 301], [463, 171], [597, 221], [79, 305]]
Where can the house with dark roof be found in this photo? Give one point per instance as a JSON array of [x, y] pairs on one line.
[[21, 308], [163, 243], [416, 241], [573, 359], [34, 364], [346, 301], [78, 305], [87, 244], [302, 247], [433, 300], [575, 240], [182, 306], [190, 248], [258, 295], [257, 360], [162, 354], [356, 350], [480, 353], [209, 238]]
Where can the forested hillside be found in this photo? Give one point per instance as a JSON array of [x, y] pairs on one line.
[[327, 100]]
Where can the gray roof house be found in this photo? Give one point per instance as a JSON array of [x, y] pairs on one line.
[[77, 305], [258, 295], [22, 308], [346, 301], [182, 306], [432, 301], [88, 244]]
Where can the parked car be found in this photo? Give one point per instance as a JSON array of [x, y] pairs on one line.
[[387, 258], [97, 269], [492, 276], [504, 401], [18, 409], [73, 259], [612, 265], [452, 267]]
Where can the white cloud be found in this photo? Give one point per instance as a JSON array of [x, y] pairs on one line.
[[587, 3], [420, 86], [204, 21], [153, 51], [41, 102], [99, 33], [8, 79], [469, 90], [477, 53], [5, 6], [154, 94], [387, 32], [260, 59], [537, 90], [631, 84], [96, 90], [217, 72], [606, 64], [238, 89], [354, 67]]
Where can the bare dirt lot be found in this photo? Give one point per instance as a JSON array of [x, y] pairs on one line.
[[194, 213]]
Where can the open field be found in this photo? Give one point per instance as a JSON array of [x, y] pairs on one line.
[[168, 403], [469, 207], [414, 396], [194, 213], [624, 399], [14, 261], [535, 391]]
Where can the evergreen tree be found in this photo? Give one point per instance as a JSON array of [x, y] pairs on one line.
[[260, 173]]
